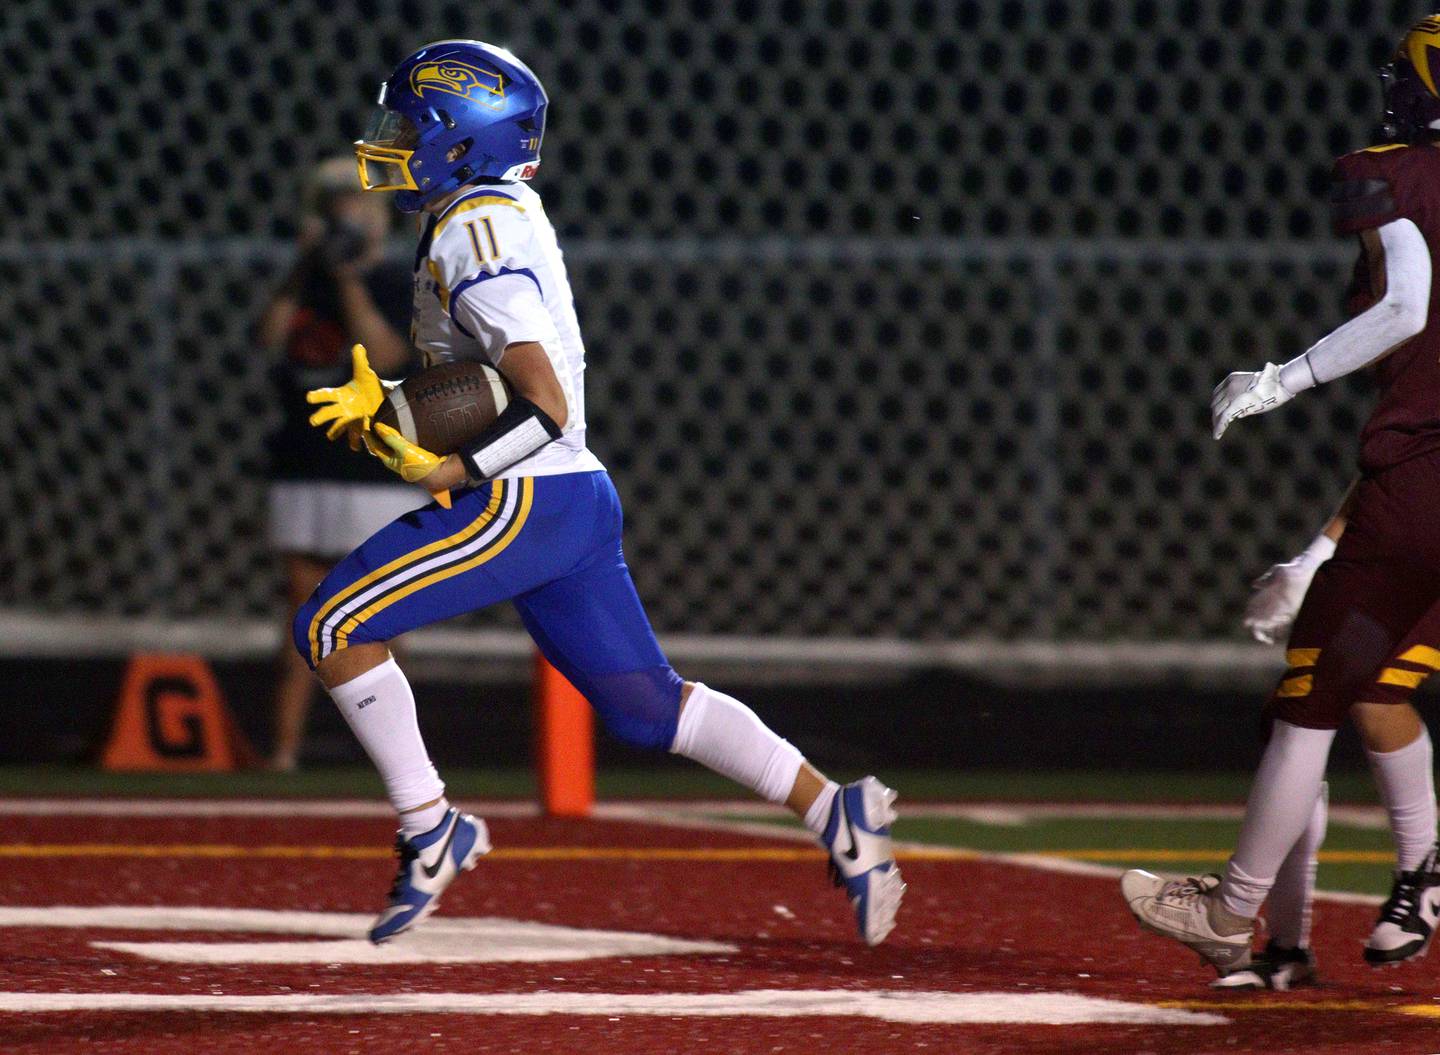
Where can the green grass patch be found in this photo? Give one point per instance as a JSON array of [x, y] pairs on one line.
[[1098, 786], [1115, 838], [1217, 837], [674, 781], [667, 781]]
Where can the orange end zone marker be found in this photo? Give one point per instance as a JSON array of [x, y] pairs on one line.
[[172, 717], [564, 744]]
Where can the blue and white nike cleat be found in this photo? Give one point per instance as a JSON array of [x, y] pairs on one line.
[[862, 859], [428, 864]]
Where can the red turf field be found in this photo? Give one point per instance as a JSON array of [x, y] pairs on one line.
[[968, 927]]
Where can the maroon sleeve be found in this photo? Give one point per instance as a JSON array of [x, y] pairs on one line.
[[1363, 191], [1360, 294]]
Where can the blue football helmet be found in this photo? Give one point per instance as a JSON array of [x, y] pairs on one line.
[[455, 112]]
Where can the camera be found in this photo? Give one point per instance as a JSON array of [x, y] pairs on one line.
[[342, 242]]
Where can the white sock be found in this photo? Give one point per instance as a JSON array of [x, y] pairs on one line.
[[380, 709], [1282, 800], [818, 815], [724, 735], [1406, 779], [1293, 896]]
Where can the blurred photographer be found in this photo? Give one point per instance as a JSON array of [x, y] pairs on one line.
[[324, 501]]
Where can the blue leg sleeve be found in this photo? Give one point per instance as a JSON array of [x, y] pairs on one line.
[[592, 627]]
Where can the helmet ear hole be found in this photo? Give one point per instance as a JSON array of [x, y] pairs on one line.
[[446, 119], [458, 151]]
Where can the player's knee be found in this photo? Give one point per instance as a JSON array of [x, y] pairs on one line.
[[639, 708], [1386, 724]]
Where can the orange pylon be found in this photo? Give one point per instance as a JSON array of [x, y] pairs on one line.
[[564, 744]]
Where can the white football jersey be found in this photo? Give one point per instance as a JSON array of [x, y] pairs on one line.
[[489, 274]]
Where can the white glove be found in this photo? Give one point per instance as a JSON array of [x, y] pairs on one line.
[[1280, 591], [1243, 394]]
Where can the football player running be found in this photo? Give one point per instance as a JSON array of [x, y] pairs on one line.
[[1287, 960], [1368, 631], [534, 518]]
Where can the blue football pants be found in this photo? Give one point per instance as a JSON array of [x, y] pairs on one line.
[[550, 544]]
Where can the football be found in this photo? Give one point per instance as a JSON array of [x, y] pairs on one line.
[[446, 406]]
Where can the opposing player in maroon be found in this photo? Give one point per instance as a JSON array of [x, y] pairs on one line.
[[1368, 631]]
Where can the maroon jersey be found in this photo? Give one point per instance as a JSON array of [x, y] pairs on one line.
[[1371, 188]]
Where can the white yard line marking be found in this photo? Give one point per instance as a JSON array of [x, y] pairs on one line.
[[1013, 813], [447, 939], [669, 816], [683, 817], [995, 816], [1007, 813], [933, 1008]]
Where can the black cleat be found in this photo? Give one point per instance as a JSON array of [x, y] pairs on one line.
[[1278, 967]]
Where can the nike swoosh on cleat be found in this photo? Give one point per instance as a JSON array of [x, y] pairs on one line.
[[852, 854], [431, 873], [393, 912]]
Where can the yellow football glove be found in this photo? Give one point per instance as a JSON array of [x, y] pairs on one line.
[[412, 462], [349, 407]]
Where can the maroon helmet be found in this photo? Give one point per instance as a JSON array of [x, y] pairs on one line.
[[1409, 84]]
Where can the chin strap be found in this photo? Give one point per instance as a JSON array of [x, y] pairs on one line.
[[520, 430]]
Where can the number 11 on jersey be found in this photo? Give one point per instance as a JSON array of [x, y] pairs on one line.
[[489, 240]]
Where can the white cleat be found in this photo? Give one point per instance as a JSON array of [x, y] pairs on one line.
[[862, 857], [1180, 909], [1408, 917]]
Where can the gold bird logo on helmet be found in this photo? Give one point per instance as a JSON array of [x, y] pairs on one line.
[[1416, 46], [459, 78]]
